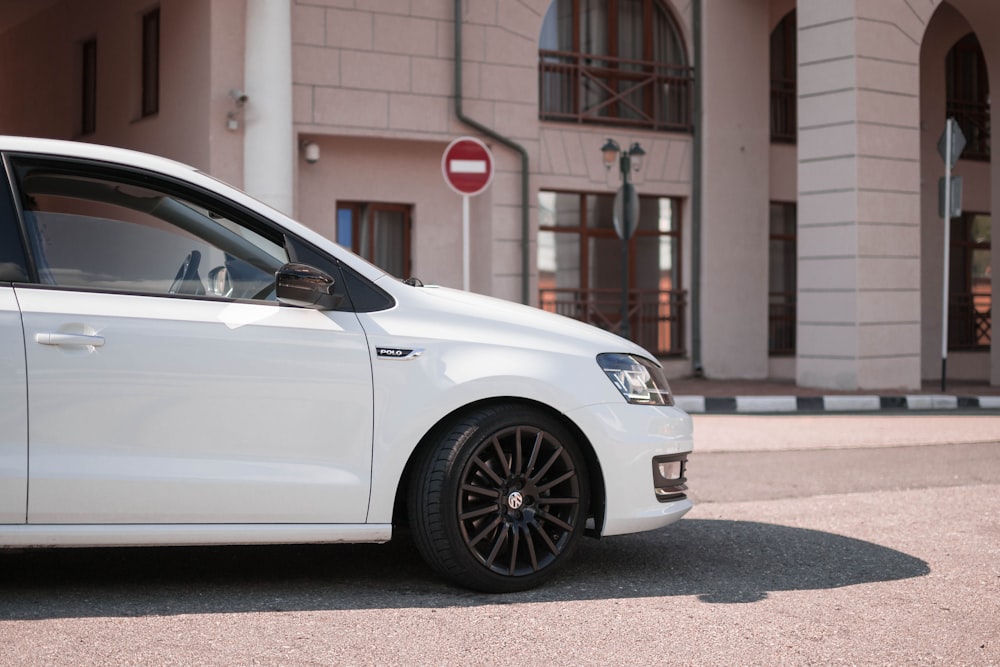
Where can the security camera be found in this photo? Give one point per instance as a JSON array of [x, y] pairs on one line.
[[310, 151], [238, 95]]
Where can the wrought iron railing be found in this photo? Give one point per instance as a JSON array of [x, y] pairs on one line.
[[781, 323], [970, 321], [655, 317], [585, 88], [974, 120]]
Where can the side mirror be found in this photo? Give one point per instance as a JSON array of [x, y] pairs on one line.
[[306, 287], [219, 283]]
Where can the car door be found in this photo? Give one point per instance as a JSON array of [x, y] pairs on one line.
[[165, 383]]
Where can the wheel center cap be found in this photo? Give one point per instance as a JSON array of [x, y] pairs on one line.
[[515, 500]]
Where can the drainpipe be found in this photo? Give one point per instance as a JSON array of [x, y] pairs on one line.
[[696, 194], [506, 141]]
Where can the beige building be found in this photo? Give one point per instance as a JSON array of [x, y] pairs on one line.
[[788, 159]]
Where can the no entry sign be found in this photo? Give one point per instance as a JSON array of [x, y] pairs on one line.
[[467, 165]]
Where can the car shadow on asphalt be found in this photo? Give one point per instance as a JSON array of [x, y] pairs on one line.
[[719, 561]]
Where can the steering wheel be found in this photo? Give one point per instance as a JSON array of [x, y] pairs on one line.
[[187, 272]]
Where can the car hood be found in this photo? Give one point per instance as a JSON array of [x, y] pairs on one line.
[[442, 313]]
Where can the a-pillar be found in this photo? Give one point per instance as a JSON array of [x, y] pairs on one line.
[[859, 194]]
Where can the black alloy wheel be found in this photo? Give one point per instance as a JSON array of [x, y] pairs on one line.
[[501, 502]]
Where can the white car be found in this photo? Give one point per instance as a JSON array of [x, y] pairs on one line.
[[183, 365]]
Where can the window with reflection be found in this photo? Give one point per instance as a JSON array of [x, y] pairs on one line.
[[580, 266]]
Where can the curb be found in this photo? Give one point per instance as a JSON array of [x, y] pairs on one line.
[[835, 403]]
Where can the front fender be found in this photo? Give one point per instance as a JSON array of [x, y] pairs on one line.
[[451, 376]]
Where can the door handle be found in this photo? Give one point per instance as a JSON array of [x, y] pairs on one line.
[[69, 339]]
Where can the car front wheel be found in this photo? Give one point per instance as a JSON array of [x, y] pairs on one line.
[[500, 502]]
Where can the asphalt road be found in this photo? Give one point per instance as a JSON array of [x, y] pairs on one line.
[[815, 540]]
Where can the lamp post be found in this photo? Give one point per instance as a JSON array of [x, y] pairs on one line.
[[626, 207]]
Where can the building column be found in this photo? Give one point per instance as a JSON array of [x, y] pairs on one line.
[[859, 194], [268, 141], [736, 150]]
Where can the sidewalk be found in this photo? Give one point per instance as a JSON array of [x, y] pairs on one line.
[[700, 395]]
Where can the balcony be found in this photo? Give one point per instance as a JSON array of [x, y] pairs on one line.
[[584, 88]]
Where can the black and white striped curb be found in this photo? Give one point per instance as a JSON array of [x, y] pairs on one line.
[[835, 403]]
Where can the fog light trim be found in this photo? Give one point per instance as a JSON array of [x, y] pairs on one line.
[[669, 480]]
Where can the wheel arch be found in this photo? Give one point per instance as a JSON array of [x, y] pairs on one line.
[[595, 474]]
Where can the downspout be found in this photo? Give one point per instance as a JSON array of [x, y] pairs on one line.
[[696, 194], [506, 141]]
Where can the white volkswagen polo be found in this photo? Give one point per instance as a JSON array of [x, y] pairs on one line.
[[183, 365]]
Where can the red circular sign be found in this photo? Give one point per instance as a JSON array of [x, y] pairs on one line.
[[467, 165]]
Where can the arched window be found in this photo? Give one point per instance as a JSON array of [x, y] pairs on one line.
[[617, 62], [968, 91], [784, 75]]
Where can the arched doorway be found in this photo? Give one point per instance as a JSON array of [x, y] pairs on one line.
[[954, 82]]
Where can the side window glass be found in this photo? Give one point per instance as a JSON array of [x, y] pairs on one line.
[[99, 233]]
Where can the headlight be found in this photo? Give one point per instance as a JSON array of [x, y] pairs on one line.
[[638, 379]]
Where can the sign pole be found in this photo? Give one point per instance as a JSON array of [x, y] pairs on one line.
[[947, 253], [465, 242]]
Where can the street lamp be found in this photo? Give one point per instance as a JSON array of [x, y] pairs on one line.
[[626, 215]]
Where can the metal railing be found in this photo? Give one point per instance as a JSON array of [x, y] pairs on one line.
[[656, 318], [584, 88], [781, 323], [970, 321]]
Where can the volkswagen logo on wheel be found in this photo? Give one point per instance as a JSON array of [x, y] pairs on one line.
[[515, 500]]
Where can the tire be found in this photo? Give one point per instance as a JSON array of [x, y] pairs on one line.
[[499, 502]]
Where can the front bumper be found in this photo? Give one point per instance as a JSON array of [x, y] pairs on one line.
[[626, 438]]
